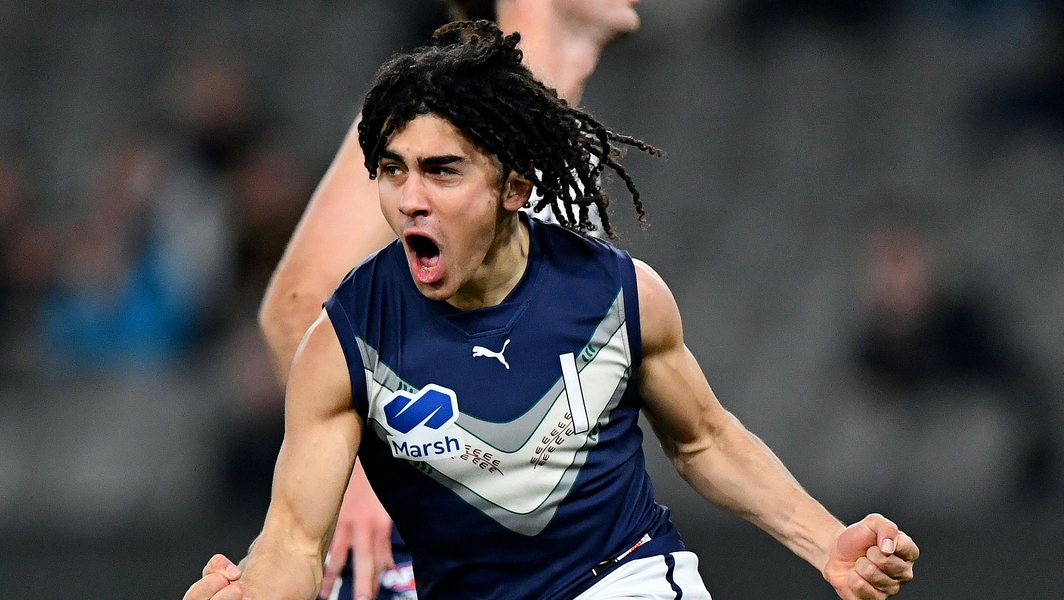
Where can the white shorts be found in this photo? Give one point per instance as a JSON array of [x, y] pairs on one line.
[[664, 577]]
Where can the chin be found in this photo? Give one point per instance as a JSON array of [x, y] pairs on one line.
[[626, 24], [439, 293]]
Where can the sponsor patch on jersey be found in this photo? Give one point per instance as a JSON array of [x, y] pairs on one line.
[[422, 425]]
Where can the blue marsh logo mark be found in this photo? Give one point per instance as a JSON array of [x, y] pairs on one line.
[[431, 406], [422, 425]]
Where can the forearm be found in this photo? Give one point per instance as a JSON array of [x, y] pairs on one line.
[[736, 471], [288, 308], [314, 464], [286, 560]]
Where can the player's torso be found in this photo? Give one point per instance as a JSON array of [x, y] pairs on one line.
[[507, 436]]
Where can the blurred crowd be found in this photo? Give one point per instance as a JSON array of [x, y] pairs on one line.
[[157, 265], [164, 256]]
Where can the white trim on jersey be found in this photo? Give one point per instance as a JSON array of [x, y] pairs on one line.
[[652, 578], [574, 392]]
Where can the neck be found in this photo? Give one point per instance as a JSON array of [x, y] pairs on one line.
[[561, 55], [501, 271]]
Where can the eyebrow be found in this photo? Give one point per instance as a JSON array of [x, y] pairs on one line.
[[439, 161], [426, 162], [391, 156]]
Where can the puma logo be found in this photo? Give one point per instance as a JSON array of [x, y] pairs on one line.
[[482, 351]]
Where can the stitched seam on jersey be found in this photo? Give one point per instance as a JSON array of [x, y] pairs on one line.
[[520, 310], [536, 520]]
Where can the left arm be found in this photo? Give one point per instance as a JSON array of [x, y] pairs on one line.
[[736, 471]]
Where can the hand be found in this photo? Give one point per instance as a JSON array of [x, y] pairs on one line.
[[870, 560], [364, 528], [220, 581]]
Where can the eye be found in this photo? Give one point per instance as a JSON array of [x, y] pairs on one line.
[[442, 171], [390, 169]]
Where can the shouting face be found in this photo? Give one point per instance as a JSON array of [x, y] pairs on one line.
[[454, 213]]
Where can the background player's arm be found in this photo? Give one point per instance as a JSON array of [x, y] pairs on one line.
[[322, 433], [735, 470], [341, 226]]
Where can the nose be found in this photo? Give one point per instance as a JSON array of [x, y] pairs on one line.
[[413, 197]]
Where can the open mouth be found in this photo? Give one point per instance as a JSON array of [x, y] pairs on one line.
[[426, 254]]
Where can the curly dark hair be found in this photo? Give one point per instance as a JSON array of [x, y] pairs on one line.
[[472, 76], [472, 10]]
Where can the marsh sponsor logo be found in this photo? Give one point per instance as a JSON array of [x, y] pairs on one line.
[[423, 424]]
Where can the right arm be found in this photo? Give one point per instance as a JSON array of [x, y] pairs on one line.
[[322, 435], [341, 226]]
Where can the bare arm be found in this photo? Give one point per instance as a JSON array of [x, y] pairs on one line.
[[341, 226], [322, 434], [735, 470], [713, 452]]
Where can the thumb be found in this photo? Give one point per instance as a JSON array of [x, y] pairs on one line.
[[219, 563], [885, 530]]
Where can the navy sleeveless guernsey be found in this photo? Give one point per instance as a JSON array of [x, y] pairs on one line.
[[504, 441]]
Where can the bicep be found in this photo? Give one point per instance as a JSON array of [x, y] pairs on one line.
[[678, 401], [322, 435]]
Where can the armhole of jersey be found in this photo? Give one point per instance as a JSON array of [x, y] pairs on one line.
[[631, 309], [345, 332]]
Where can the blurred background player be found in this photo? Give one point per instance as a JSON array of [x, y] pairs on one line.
[[342, 225]]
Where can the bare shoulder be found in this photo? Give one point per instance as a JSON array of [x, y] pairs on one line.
[[320, 341], [319, 369], [659, 317]]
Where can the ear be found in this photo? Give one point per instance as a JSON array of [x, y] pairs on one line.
[[515, 192]]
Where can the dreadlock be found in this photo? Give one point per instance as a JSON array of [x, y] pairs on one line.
[[472, 76]]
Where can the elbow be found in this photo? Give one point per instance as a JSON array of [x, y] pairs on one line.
[[282, 326], [687, 456], [690, 457], [270, 318], [284, 315], [686, 447], [685, 461]]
